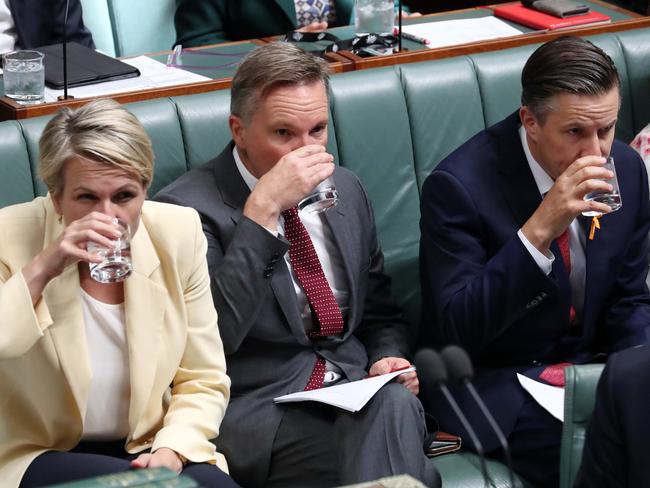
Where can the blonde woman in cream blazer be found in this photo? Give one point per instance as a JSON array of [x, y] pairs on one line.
[[97, 163]]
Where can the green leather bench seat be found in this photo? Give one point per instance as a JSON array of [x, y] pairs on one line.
[[391, 126]]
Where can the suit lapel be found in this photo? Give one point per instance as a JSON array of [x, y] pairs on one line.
[[518, 184], [63, 298], [144, 302], [347, 242], [234, 193]]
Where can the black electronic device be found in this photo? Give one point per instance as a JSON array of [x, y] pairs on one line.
[[85, 66]]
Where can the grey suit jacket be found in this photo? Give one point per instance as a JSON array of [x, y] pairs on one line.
[[268, 351]]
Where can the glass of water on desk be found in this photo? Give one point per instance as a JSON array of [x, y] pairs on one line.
[[611, 198], [374, 16], [24, 76]]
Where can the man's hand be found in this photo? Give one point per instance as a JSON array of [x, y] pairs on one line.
[[565, 201], [314, 27], [163, 457], [388, 365], [291, 179]]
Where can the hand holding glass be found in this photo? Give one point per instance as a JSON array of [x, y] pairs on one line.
[[611, 198], [116, 263]]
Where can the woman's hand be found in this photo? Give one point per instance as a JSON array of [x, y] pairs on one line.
[[163, 457], [69, 248]]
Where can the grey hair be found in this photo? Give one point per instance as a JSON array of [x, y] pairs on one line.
[[269, 66]]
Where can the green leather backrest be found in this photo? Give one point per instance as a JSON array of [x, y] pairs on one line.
[[142, 26], [98, 20], [374, 141], [579, 399], [16, 179], [444, 107], [634, 45]]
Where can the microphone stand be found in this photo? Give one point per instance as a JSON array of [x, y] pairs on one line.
[[399, 23], [65, 95]]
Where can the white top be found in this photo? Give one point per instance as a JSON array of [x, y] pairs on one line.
[[577, 238], [107, 410], [329, 256], [8, 35]]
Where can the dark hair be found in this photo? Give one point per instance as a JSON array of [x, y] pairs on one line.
[[567, 64], [270, 66]]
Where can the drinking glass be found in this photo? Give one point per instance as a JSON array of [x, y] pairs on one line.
[[24, 76], [323, 197], [611, 198], [116, 263], [374, 16]]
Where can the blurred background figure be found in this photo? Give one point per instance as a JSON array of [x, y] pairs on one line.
[[26, 24], [202, 22]]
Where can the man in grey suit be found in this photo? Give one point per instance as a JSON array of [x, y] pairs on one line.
[[277, 338]]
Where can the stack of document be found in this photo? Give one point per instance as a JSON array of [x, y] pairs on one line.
[[351, 396]]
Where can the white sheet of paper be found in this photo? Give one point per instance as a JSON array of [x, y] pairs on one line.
[[549, 397], [351, 396], [153, 74], [452, 32]]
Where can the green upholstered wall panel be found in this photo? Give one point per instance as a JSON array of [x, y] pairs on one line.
[[16, 185], [444, 108], [204, 123], [498, 75], [160, 120], [635, 45], [374, 141]]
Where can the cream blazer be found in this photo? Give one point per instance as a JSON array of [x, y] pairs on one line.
[[171, 330]]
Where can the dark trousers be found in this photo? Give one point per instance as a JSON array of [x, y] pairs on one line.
[[319, 446], [535, 446], [89, 459]]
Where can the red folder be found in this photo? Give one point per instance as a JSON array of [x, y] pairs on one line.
[[516, 12]]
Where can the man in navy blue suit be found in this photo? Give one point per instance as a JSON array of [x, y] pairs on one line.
[[508, 269], [35, 23], [616, 450]]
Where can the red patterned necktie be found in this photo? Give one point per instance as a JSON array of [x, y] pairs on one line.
[[554, 374], [304, 261], [563, 244]]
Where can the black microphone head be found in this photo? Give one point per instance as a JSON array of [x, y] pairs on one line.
[[430, 367], [458, 363]]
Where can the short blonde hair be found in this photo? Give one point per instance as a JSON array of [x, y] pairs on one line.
[[101, 131]]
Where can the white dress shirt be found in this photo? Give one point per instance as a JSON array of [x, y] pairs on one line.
[[8, 34], [577, 238], [107, 410], [329, 256]]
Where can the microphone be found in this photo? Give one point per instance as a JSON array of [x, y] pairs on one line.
[[433, 374], [459, 367]]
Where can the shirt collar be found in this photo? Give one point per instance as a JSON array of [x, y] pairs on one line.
[[248, 177], [543, 181]]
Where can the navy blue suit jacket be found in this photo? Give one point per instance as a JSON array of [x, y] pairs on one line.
[[40, 23], [483, 290], [616, 450]]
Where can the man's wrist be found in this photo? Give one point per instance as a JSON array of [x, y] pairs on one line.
[[261, 210]]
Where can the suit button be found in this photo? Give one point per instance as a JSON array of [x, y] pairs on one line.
[[536, 363], [275, 258], [543, 294], [268, 273]]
